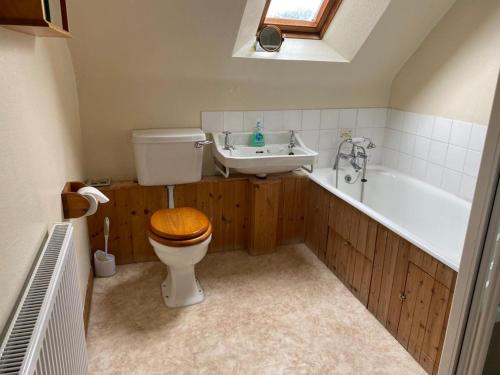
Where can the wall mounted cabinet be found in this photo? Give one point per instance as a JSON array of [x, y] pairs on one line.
[[36, 17]]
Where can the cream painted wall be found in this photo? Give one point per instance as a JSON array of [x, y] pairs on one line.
[[454, 72], [40, 149], [157, 63]]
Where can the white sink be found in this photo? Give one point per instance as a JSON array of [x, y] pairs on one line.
[[274, 157]]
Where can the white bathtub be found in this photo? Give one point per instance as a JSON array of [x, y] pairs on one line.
[[429, 218]]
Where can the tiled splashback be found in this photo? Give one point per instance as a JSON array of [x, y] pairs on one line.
[[443, 152], [319, 129]]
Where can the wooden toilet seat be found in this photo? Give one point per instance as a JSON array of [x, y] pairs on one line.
[[179, 227]]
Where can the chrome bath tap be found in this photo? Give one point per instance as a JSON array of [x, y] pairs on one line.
[[357, 157]]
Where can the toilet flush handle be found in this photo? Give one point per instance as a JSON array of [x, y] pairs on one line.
[[200, 144]]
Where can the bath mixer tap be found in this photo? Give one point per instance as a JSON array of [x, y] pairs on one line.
[[358, 158], [227, 146]]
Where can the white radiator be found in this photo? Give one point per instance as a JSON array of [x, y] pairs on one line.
[[46, 335]]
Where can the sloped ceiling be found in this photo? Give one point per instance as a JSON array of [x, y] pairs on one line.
[[158, 63]]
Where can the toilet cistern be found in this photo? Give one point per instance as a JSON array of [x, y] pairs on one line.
[[179, 236]]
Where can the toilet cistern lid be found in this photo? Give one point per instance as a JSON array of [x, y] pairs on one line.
[[179, 223]]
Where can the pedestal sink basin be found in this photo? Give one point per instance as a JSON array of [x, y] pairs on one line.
[[275, 157]]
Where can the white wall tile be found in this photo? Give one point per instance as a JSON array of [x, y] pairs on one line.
[[437, 152], [310, 138], [455, 158], [472, 161], [477, 137], [422, 146], [434, 174], [467, 187], [407, 144], [374, 155], [404, 164], [212, 122], [325, 159], [273, 120], [439, 148], [311, 119], [425, 126], [460, 133], [329, 119], [411, 123], [418, 168], [442, 129], [251, 118], [392, 139], [371, 117], [379, 117], [377, 136], [396, 119], [233, 121], [327, 139], [347, 118], [390, 158], [292, 120], [451, 181]]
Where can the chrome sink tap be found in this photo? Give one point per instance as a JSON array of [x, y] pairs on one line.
[[293, 140], [227, 146]]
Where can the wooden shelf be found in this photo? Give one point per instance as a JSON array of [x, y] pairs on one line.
[[74, 204], [31, 17]]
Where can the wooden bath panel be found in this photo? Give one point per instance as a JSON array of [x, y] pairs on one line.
[[405, 288], [226, 202]]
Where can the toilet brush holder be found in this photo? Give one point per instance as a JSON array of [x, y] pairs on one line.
[[105, 265]]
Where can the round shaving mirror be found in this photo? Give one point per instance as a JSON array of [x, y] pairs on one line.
[[270, 38]]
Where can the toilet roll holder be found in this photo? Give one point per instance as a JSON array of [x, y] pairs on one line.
[[77, 205]]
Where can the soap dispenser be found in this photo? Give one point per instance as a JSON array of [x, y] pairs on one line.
[[257, 138]]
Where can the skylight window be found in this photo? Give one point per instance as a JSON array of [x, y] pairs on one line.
[[294, 9], [300, 18]]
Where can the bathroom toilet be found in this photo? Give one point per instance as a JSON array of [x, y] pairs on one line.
[[179, 236]]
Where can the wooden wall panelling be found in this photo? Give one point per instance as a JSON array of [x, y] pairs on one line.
[[331, 250], [264, 205], [309, 236], [378, 267], [388, 273], [418, 292], [435, 327], [241, 215], [317, 219], [420, 315], [398, 287], [225, 202], [142, 251], [291, 218]]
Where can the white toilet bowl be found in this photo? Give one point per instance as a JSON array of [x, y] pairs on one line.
[[180, 238], [181, 287]]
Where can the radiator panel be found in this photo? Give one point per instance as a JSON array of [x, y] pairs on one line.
[[46, 336]]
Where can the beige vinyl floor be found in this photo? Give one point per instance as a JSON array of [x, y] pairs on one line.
[[283, 313]]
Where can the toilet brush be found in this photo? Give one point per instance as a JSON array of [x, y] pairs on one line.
[[103, 261], [106, 235]]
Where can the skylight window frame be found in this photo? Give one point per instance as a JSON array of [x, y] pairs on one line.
[[303, 29]]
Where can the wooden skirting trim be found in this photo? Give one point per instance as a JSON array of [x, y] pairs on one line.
[[88, 299]]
